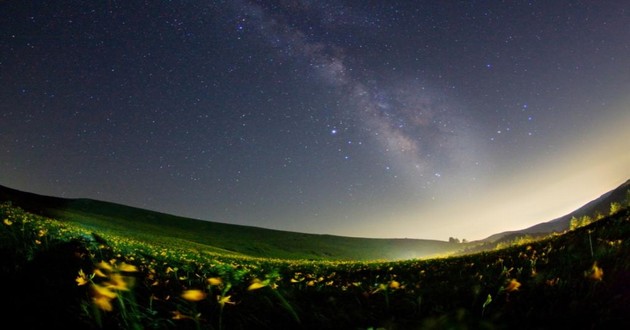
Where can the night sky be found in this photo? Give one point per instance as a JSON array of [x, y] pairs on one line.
[[418, 119]]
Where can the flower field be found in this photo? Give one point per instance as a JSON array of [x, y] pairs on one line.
[[60, 274]]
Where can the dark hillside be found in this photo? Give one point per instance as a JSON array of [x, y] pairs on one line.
[[600, 205], [228, 238]]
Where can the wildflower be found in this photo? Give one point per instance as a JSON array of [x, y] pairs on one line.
[[381, 287], [124, 267], [117, 282], [194, 295], [103, 303], [177, 315], [104, 266], [38, 242], [8, 222], [513, 285], [81, 279], [596, 272], [225, 300], [102, 297], [214, 281], [256, 284], [394, 284], [99, 273]]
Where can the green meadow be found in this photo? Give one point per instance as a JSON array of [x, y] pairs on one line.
[[94, 265]]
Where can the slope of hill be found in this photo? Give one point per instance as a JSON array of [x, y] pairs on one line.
[[600, 205], [261, 242], [221, 237], [61, 275]]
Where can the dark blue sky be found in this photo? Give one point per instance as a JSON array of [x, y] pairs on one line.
[[362, 118]]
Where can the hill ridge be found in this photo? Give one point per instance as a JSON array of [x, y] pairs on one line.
[[600, 204], [232, 237], [267, 242]]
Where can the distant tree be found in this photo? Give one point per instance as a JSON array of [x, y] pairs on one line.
[[464, 240], [453, 240], [582, 221], [599, 215], [614, 207]]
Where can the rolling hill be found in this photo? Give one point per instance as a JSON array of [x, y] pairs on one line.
[[260, 242], [600, 205], [222, 237]]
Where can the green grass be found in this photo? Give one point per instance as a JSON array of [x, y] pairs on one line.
[[172, 282], [235, 239], [252, 241]]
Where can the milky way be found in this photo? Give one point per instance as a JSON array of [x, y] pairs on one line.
[[419, 131], [390, 119]]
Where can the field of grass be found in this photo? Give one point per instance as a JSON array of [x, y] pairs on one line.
[[224, 238], [93, 276]]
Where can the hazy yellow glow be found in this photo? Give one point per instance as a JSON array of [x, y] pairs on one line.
[[586, 166], [554, 185]]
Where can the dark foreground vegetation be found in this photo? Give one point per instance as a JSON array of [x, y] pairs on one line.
[[60, 274]]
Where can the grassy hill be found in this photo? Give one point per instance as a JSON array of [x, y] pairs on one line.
[[601, 205], [221, 237], [65, 274]]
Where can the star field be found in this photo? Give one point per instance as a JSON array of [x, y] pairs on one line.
[[386, 119]]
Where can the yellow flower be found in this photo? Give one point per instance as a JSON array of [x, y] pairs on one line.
[[194, 295], [81, 279], [513, 285], [224, 300], [8, 222], [394, 284], [256, 284], [99, 273], [596, 272], [124, 267], [214, 281], [38, 242], [102, 291], [103, 303], [381, 287], [117, 282], [104, 266], [102, 297]]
